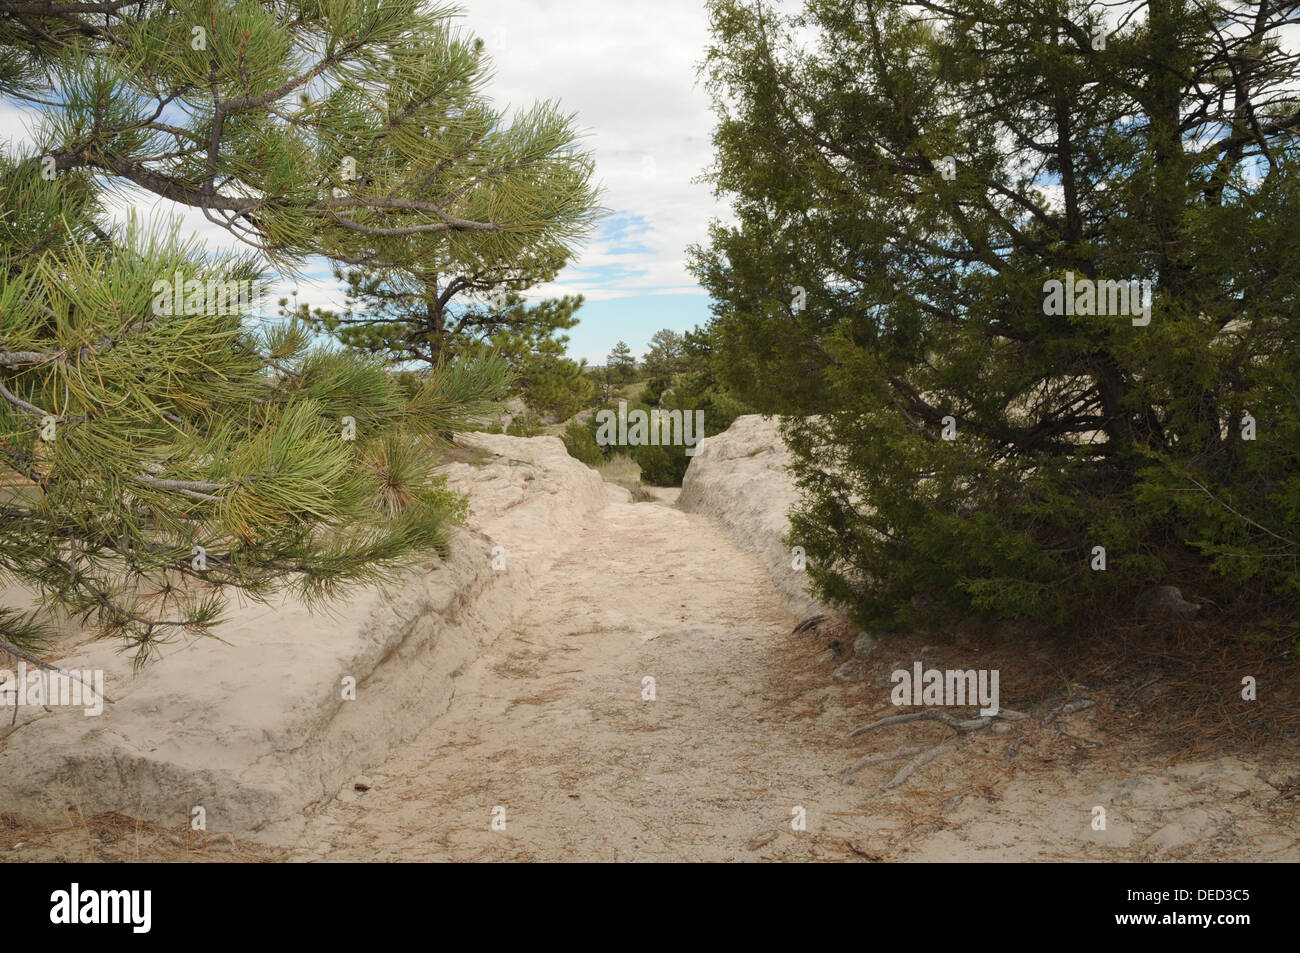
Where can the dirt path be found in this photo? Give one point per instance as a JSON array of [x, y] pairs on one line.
[[747, 725], [551, 725]]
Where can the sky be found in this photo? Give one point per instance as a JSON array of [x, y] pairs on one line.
[[627, 70]]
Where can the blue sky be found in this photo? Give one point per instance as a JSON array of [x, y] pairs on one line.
[[633, 319]]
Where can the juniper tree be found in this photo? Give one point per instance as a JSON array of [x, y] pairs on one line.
[[163, 447], [909, 182]]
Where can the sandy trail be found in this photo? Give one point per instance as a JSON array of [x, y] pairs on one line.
[[747, 726], [550, 724]]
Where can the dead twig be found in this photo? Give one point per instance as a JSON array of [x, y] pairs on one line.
[[1079, 704]]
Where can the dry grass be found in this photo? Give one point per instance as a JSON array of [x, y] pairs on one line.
[[116, 838], [632, 391], [621, 470], [1173, 688]]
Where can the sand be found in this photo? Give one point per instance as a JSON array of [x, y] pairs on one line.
[[746, 735]]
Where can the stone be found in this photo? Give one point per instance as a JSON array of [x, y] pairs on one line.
[[851, 671], [864, 644]]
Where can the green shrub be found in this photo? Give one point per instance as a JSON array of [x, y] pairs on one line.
[[527, 424], [662, 466], [593, 425], [580, 443], [654, 390]]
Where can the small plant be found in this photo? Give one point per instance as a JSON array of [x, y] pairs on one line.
[[527, 424], [581, 444]]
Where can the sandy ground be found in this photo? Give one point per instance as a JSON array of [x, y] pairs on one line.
[[550, 750], [746, 734]]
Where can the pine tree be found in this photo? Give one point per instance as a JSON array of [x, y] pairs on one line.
[[415, 314], [621, 363], [164, 447], [357, 131], [390, 316], [664, 358], [527, 338]]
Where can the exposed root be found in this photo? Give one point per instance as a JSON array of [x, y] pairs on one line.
[[959, 725], [808, 625], [861, 763], [1079, 704], [919, 761], [1085, 742], [923, 755]]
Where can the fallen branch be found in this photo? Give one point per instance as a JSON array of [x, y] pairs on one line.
[[26, 657]]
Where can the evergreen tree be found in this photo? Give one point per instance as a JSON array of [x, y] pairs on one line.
[[358, 131], [696, 388], [664, 358], [167, 447], [909, 180], [621, 363], [528, 341], [604, 386], [413, 315]]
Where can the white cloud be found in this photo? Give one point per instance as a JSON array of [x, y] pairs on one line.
[[629, 73]]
